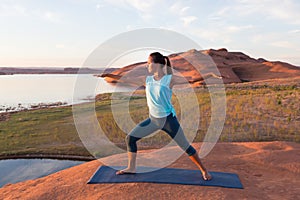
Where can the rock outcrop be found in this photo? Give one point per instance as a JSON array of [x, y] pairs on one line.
[[235, 67]]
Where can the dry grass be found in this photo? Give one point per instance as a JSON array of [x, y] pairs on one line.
[[254, 112]]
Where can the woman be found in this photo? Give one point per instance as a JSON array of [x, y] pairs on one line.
[[162, 114]]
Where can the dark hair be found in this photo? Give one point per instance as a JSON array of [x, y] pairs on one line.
[[159, 58]]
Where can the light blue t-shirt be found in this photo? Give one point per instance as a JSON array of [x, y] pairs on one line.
[[159, 95]]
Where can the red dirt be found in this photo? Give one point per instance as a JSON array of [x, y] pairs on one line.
[[268, 170]]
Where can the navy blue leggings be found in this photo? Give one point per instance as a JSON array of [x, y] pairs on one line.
[[168, 124]]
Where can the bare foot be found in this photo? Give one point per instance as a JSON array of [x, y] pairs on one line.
[[206, 176], [125, 171]]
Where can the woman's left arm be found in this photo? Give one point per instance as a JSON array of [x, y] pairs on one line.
[[176, 80], [205, 76]]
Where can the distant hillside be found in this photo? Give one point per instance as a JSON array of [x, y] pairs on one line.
[[235, 67], [49, 70]]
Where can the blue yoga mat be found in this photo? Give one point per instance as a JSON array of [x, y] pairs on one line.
[[106, 174]]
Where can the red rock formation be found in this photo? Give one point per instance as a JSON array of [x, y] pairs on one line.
[[235, 67]]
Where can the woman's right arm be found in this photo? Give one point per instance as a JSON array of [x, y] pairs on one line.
[[138, 81]]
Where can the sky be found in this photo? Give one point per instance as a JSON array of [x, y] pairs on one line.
[[60, 33]]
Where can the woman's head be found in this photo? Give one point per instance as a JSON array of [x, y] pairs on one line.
[[157, 61]]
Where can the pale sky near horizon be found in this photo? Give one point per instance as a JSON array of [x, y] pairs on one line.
[[63, 33]]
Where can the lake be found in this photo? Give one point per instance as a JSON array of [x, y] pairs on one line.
[[17, 170], [23, 91]]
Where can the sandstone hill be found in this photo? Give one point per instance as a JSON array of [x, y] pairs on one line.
[[235, 67]]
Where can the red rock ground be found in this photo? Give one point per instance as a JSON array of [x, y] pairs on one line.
[[268, 170]]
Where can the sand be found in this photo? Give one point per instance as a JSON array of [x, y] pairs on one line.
[[268, 170]]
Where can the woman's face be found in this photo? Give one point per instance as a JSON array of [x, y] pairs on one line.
[[152, 67]]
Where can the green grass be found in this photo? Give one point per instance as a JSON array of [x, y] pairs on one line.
[[47, 131], [253, 114]]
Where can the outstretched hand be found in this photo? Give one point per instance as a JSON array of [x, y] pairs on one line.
[[110, 76], [216, 76]]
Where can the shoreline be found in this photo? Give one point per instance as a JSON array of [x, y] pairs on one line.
[[48, 156], [4, 116], [49, 119], [277, 84], [34, 106]]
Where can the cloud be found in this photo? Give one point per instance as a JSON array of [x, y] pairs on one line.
[[17, 10], [146, 9], [294, 31], [188, 20], [283, 44], [219, 15], [99, 6], [9, 9], [292, 58], [60, 46], [184, 9], [287, 10], [142, 6], [258, 38], [235, 29], [178, 8], [208, 34], [157, 9], [221, 32], [51, 16]]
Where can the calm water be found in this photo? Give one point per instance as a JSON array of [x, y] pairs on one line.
[[27, 90], [17, 170]]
